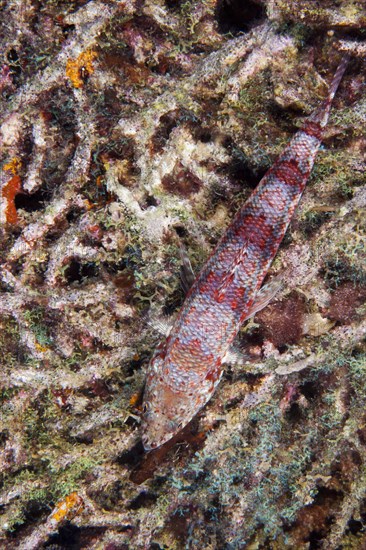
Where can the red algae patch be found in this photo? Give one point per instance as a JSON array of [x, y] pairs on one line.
[[11, 189], [181, 181], [345, 301], [282, 322]]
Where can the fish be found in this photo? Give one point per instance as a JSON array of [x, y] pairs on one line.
[[187, 365]]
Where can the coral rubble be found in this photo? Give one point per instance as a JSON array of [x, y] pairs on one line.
[[128, 128]]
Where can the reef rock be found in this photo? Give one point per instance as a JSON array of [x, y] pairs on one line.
[[128, 129]]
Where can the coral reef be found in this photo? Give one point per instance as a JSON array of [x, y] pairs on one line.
[[128, 128]]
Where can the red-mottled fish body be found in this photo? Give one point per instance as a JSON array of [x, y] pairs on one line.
[[188, 364]]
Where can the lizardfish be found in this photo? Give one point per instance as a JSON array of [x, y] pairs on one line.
[[188, 364]]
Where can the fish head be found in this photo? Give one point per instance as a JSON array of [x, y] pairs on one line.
[[166, 410], [169, 406], [164, 417]]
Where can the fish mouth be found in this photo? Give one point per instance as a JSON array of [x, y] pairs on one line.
[[148, 445], [149, 442]]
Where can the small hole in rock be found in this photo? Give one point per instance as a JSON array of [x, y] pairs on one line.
[[180, 231], [68, 536], [236, 16], [204, 136], [239, 169], [173, 5], [77, 272], [14, 65], [355, 526], [309, 390], [142, 500], [294, 414], [34, 201], [133, 456], [151, 201], [34, 509]]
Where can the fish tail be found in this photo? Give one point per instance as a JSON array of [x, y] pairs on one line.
[[338, 76], [321, 115]]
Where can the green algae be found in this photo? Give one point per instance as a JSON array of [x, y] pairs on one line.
[[269, 452]]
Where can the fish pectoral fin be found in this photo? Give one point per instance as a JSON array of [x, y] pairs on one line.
[[187, 276], [161, 325], [264, 296], [234, 356]]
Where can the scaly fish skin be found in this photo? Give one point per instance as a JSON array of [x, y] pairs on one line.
[[188, 364]]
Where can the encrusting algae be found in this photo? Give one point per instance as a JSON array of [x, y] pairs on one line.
[[10, 189], [78, 70], [115, 171]]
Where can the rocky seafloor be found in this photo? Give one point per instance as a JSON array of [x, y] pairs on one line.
[[129, 129]]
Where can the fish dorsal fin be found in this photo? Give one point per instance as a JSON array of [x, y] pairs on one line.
[[161, 325], [187, 276]]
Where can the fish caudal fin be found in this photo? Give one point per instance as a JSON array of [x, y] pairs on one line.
[[321, 115]]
